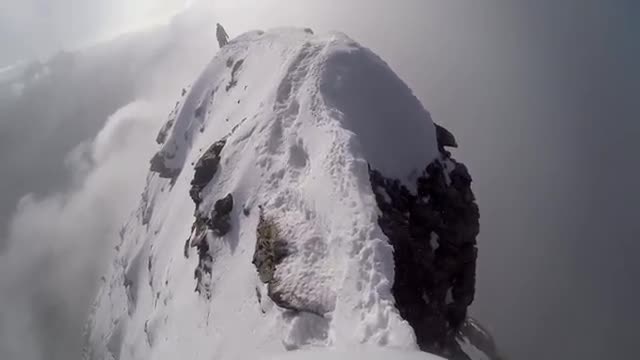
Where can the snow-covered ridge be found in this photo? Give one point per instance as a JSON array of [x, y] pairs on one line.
[[299, 120]]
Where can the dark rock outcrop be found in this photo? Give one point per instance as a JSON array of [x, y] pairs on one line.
[[433, 233], [445, 138], [220, 222], [164, 131], [270, 250], [205, 169], [158, 166], [234, 81]]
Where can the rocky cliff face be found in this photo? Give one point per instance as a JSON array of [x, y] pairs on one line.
[[433, 234]]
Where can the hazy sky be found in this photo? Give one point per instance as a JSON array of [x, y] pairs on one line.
[[34, 28], [541, 97]]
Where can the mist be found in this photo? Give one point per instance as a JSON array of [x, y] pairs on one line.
[[76, 135], [541, 97], [45, 27]]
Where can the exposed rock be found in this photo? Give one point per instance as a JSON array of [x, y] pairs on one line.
[[308, 31], [146, 208], [445, 138], [433, 234], [220, 222], [202, 274], [158, 166], [224, 206], [164, 131], [205, 169], [198, 239], [233, 82], [270, 250]]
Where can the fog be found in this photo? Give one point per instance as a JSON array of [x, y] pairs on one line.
[[36, 28], [76, 134], [541, 97]]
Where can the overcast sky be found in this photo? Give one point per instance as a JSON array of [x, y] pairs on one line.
[[540, 96]]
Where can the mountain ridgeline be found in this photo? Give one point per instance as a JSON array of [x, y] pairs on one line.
[[301, 197]]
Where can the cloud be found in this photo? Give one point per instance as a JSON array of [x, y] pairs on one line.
[[59, 236], [59, 242], [38, 28]]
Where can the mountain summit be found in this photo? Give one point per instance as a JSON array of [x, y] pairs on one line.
[[301, 198]]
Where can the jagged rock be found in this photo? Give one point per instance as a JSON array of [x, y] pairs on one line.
[[270, 248], [445, 138], [224, 206], [433, 234], [198, 230], [220, 222], [205, 169], [202, 273], [198, 239], [158, 166], [164, 131]]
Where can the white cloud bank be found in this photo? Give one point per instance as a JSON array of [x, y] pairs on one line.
[[57, 244], [51, 268]]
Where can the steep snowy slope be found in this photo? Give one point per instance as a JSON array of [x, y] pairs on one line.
[[276, 147]]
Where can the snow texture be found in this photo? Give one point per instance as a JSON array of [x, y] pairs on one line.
[[302, 115], [365, 352]]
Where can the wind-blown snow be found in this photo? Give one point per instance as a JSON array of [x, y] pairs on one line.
[[303, 117]]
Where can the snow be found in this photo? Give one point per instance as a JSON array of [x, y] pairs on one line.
[[369, 353], [305, 118]]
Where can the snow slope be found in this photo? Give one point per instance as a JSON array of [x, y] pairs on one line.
[[302, 115]]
